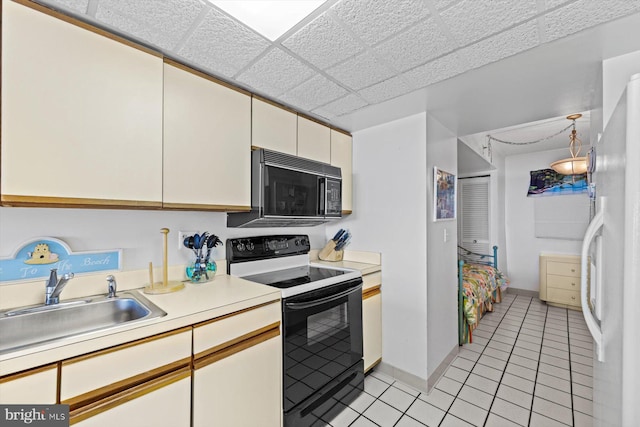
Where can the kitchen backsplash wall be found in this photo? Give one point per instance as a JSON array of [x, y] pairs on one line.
[[136, 232]]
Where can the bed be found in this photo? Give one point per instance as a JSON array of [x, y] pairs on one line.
[[480, 285]]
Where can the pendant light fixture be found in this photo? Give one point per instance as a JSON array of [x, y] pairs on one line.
[[573, 165]]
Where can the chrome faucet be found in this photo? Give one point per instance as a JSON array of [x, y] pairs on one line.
[[111, 286], [54, 287]]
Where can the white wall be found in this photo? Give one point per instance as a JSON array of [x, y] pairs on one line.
[[389, 212], [522, 247], [136, 232], [442, 277]]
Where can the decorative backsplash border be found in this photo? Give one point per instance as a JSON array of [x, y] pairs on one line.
[[35, 258]]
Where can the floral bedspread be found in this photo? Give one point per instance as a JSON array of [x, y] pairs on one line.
[[479, 282]]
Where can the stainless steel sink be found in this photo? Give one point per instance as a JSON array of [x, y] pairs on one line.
[[30, 326]]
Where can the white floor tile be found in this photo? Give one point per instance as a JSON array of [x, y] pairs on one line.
[[383, 377], [448, 385], [407, 389], [457, 374], [538, 420], [583, 405], [497, 421], [523, 352], [382, 414], [554, 361], [472, 414], [553, 395], [453, 421], [480, 383], [498, 354], [515, 396], [518, 383], [582, 379], [510, 411], [344, 418], [520, 371], [362, 402], [552, 410], [582, 369], [492, 362], [438, 398], [476, 397], [462, 363], [425, 413], [363, 422], [555, 382], [583, 391], [487, 372], [374, 386], [582, 420], [397, 398], [407, 421], [554, 370]]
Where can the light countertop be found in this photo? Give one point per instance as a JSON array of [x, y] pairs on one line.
[[193, 304]]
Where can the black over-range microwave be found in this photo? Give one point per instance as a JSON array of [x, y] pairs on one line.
[[290, 191]]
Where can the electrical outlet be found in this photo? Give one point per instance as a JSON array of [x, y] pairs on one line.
[[181, 237]]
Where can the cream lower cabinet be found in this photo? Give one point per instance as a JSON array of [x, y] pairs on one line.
[[342, 157], [148, 380], [81, 115], [237, 377], [207, 143], [37, 386], [372, 320]]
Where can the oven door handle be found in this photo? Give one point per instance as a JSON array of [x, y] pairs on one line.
[[330, 298]]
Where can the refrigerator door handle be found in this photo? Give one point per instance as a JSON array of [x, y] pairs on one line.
[[592, 324]]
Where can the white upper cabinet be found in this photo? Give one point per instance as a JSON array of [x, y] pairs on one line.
[[273, 128], [314, 140], [81, 115], [207, 143], [342, 157]]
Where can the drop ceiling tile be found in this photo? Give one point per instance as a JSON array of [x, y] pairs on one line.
[[435, 71], [549, 4], [502, 45], [222, 45], [323, 43], [585, 14], [441, 4], [361, 71], [471, 20], [160, 23], [375, 20], [276, 72], [313, 93], [342, 106], [416, 46], [388, 89], [79, 6]]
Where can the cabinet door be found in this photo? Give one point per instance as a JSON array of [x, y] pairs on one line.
[[241, 390], [207, 143], [37, 386], [273, 128], [165, 402], [341, 156], [81, 115], [314, 140], [372, 328]]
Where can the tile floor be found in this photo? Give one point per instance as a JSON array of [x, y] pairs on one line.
[[529, 365]]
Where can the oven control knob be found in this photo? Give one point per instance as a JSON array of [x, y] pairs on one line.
[[297, 242], [250, 246], [240, 247]]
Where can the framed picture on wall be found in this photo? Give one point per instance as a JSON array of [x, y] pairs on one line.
[[444, 195]]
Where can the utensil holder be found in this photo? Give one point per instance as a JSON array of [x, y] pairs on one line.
[[328, 253], [200, 272]]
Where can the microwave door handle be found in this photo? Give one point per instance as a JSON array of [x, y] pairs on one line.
[[330, 298], [322, 196]]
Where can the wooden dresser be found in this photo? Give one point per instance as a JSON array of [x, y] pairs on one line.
[[560, 280]]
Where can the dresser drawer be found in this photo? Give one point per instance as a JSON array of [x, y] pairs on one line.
[[563, 268], [563, 296], [563, 282]]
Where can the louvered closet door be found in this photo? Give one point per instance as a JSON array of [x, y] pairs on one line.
[[473, 214]]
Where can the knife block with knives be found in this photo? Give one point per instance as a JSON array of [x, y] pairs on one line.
[[334, 249]]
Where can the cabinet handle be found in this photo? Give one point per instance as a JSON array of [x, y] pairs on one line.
[[573, 270], [573, 284], [573, 298]]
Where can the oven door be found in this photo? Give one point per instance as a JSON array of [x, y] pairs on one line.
[[322, 343]]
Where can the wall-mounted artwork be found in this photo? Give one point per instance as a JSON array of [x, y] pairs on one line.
[[444, 195], [547, 182]]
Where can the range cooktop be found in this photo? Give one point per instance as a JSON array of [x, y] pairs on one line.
[[290, 277]]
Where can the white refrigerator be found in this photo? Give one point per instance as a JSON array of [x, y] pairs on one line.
[[611, 256]]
